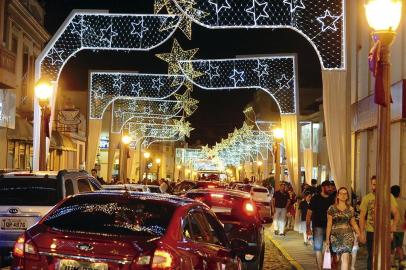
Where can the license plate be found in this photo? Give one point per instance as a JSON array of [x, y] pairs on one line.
[[218, 209], [76, 265], [13, 224]]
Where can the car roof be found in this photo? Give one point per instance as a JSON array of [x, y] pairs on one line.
[[232, 192], [35, 174], [175, 200]]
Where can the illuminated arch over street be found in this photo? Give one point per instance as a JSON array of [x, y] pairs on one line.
[[276, 75], [321, 22]]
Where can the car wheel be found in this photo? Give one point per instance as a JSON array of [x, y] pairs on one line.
[[257, 264]]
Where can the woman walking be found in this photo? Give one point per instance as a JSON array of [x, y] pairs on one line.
[[341, 225]]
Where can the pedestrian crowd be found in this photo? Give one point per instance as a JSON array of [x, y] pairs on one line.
[[335, 225]]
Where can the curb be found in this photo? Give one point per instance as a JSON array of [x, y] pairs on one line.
[[292, 261]]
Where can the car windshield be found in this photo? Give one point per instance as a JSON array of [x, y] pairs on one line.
[[29, 191], [117, 215]]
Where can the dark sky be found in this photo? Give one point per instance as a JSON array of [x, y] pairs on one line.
[[219, 111]]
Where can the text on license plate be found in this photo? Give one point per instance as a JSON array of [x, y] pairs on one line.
[[75, 265], [13, 224]]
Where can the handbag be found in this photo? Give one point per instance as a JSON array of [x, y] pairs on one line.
[[327, 259]]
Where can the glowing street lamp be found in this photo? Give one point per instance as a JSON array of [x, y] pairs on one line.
[[126, 140], [383, 17], [43, 92], [147, 155], [278, 135]]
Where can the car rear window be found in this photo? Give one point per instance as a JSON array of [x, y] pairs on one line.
[[245, 188], [29, 191], [116, 215], [261, 190], [154, 189]]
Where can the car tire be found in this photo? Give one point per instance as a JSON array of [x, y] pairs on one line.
[[258, 263]]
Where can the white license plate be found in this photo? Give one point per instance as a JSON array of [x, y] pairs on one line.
[[75, 265], [218, 209], [13, 224]]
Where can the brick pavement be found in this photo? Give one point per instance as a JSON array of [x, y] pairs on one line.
[[302, 256]]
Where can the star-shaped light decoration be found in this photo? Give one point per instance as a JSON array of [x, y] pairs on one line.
[[220, 4], [118, 82], [136, 88], [107, 34], [163, 107], [55, 56], [188, 104], [99, 93], [176, 54], [138, 28], [294, 4], [237, 76], [79, 27], [284, 82], [258, 10], [183, 127], [328, 21], [212, 71], [261, 69], [157, 84]]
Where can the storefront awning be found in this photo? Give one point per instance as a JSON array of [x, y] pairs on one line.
[[62, 142]]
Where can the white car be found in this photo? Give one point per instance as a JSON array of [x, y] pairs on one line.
[[25, 197], [262, 198]]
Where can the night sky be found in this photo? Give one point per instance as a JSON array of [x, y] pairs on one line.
[[219, 112]]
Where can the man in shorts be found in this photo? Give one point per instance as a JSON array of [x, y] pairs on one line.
[[317, 217]]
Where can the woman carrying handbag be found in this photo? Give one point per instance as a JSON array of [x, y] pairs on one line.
[[340, 229]]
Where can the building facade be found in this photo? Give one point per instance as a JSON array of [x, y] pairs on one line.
[[363, 108], [22, 37]]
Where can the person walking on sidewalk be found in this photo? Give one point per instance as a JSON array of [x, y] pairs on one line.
[[317, 217], [366, 219], [398, 235], [303, 206], [340, 229], [280, 205]]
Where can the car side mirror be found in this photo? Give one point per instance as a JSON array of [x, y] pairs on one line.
[[238, 246]]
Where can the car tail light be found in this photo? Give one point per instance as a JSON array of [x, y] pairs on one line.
[[25, 248], [249, 208], [211, 186], [162, 260]]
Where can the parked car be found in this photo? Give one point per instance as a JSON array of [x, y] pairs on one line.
[[25, 197], [237, 211], [127, 230], [134, 187], [184, 186]]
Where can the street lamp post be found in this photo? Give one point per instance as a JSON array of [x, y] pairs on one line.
[[43, 91], [239, 168], [278, 136], [383, 17], [259, 165], [126, 140], [147, 155], [179, 167], [158, 165]]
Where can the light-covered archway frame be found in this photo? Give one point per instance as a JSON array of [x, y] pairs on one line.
[[321, 22], [105, 87], [126, 110], [96, 30], [276, 75]]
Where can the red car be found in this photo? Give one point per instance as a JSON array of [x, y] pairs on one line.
[[126, 230], [241, 219]]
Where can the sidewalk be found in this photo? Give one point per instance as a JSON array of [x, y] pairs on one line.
[[301, 256]]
